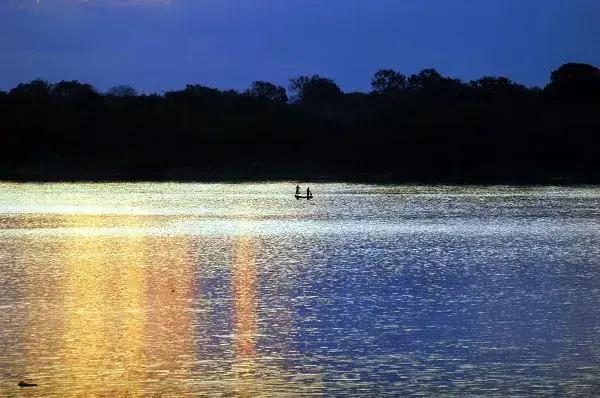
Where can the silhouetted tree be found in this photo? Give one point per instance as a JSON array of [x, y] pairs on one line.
[[268, 92], [430, 83], [74, 90], [195, 91], [492, 83], [490, 88], [429, 128], [427, 79], [122, 91], [230, 94], [389, 82], [575, 72], [314, 90], [36, 89], [575, 81]]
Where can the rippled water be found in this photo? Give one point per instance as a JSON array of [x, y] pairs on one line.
[[241, 290]]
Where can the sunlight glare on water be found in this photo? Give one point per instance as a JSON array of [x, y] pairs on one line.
[[239, 289]]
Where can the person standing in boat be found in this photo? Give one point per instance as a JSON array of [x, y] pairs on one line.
[[308, 192], [297, 189]]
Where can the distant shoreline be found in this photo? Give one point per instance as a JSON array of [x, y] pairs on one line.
[[425, 128]]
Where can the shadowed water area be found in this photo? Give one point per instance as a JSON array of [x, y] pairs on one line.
[[242, 290]]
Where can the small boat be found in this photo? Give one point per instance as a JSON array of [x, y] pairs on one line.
[[303, 197], [24, 384]]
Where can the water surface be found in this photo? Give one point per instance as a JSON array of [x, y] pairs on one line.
[[241, 290]]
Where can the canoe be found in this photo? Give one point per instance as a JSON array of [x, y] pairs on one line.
[[303, 197]]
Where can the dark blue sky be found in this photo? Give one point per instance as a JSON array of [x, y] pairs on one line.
[[157, 45]]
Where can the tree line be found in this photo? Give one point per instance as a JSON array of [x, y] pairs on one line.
[[422, 127]]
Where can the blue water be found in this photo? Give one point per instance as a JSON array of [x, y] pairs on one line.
[[218, 289]]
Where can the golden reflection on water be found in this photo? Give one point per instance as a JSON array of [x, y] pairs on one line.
[[252, 376], [245, 315], [119, 322], [245, 300], [109, 305], [115, 316], [104, 321], [169, 343]]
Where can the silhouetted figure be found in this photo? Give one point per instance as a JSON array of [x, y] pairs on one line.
[[297, 189], [308, 192]]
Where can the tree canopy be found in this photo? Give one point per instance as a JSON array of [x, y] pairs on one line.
[[421, 127], [268, 92], [123, 90], [575, 81], [314, 89]]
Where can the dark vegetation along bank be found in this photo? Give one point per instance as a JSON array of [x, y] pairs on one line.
[[424, 127]]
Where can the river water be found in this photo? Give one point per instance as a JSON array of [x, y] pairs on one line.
[[242, 290]]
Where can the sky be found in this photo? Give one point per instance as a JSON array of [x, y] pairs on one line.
[[158, 45]]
